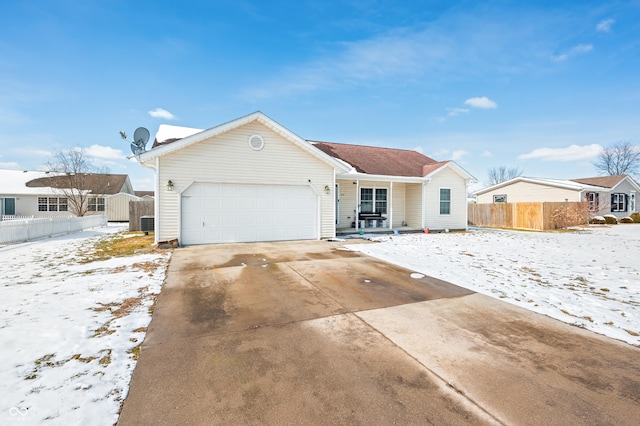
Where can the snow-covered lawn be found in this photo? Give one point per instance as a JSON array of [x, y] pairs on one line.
[[590, 278], [70, 330]]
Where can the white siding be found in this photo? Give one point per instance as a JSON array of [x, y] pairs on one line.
[[228, 158], [528, 192], [457, 219], [413, 203], [398, 194], [347, 203], [27, 205]]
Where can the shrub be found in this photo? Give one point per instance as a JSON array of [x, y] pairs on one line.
[[626, 220], [635, 217], [610, 219], [597, 220]]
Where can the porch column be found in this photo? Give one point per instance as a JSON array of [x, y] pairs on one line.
[[390, 205], [357, 210]]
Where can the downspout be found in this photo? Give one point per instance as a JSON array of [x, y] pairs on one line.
[[422, 205], [390, 205], [357, 210], [156, 203]]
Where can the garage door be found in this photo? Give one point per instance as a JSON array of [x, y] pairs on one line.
[[226, 213]]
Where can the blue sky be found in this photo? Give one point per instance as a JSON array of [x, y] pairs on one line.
[[536, 85]]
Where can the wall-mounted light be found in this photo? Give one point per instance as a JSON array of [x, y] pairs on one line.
[[169, 185], [327, 190]]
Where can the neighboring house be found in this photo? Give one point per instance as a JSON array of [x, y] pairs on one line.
[[615, 195], [36, 193], [145, 195], [252, 179]]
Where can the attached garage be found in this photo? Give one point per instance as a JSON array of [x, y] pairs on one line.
[[237, 212]]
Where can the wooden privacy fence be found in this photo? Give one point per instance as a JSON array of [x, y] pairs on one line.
[[536, 216], [138, 209]]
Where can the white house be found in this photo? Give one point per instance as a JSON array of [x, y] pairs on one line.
[[615, 195], [38, 193], [251, 179]]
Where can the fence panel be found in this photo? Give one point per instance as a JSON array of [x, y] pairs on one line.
[[19, 231], [536, 216], [138, 209]]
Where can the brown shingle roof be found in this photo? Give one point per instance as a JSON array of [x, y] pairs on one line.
[[603, 181], [380, 161], [103, 184]]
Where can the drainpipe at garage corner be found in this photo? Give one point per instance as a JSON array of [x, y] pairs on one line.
[[357, 210], [424, 189]]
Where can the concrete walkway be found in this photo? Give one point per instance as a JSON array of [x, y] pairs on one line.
[[307, 333]]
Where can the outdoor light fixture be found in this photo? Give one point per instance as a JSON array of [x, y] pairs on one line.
[[169, 185], [327, 190]]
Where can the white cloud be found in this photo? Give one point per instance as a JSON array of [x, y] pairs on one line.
[[486, 154], [162, 113], [605, 25], [418, 149], [104, 152], [574, 51], [459, 154], [453, 112], [11, 165], [482, 102], [570, 153]]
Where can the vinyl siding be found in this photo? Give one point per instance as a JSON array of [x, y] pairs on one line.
[[398, 204], [228, 158], [527, 192], [413, 205], [118, 206], [457, 219], [347, 203]]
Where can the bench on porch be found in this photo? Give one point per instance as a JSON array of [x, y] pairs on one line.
[[371, 220]]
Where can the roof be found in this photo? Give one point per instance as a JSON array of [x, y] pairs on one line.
[[558, 183], [168, 134], [604, 181], [167, 146], [380, 161], [145, 193], [14, 182], [96, 183]]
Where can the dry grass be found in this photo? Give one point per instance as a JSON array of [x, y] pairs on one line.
[[120, 245]]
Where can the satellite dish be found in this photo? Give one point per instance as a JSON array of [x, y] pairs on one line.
[[140, 139]]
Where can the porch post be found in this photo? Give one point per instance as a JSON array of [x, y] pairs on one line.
[[357, 210], [390, 215]]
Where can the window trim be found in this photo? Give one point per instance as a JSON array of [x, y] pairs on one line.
[[621, 204], [3, 211], [441, 201], [593, 201], [374, 200], [93, 204]]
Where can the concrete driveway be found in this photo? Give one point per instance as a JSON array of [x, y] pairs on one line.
[[308, 333]]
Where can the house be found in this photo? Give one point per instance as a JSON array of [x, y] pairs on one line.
[[251, 179], [614, 195], [38, 193]]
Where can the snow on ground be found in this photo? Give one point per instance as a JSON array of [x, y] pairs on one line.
[[590, 278], [69, 330]]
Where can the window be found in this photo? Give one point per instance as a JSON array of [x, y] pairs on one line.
[[96, 204], [8, 207], [445, 201], [593, 199], [502, 198], [52, 204], [618, 202], [632, 201], [373, 200]]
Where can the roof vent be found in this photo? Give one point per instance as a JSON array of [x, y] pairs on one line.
[[256, 142]]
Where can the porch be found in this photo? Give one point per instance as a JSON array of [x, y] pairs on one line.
[[378, 230]]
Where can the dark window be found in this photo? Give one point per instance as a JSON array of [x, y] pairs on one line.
[[96, 204], [502, 198], [9, 206], [618, 202], [445, 201], [42, 204], [373, 200], [593, 198]]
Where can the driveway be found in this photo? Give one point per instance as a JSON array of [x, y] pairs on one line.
[[309, 333]]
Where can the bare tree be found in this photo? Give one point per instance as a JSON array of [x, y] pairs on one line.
[[75, 178], [621, 158], [501, 174]]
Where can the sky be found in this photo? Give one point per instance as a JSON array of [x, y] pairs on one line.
[[539, 86]]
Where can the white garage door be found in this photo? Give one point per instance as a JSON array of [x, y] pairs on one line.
[[226, 213]]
